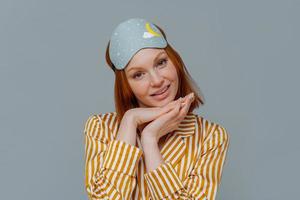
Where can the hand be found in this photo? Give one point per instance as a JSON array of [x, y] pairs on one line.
[[168, 121], [141, 115], [135, 117]]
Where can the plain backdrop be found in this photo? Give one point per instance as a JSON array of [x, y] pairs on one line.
[[244, 56]]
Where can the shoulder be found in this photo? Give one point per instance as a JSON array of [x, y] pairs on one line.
[[211, 130], [101, 125]]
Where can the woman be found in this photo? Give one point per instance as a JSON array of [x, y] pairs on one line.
[[153, 146]]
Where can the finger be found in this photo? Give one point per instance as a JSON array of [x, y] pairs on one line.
[[167, 108], [172, 116], [185, 106], [185, 100], [155, 112], [170, 106], [175, 110], [189, 98]]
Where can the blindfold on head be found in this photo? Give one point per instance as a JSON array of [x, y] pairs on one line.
[[130, 36]]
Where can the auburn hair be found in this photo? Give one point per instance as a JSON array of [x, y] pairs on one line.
[[125, 98]]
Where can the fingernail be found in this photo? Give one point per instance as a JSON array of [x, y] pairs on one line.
[[191, 96]]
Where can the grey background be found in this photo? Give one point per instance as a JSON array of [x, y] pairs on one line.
[[244, 55]]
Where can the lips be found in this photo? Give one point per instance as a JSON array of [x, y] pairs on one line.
[[161, 91]]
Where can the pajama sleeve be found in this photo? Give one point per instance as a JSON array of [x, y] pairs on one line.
[[110, 165], [203, 181]]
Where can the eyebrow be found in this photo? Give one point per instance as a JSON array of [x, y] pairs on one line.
[[153, 61]]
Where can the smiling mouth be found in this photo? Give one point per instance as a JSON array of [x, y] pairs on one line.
[[162, 91]]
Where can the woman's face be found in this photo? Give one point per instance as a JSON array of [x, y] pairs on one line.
[[150, 72]]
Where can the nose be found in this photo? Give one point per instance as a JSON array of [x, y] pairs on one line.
[[156, 79]]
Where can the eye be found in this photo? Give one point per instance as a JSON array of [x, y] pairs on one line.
[[135, 75], [162, 61]]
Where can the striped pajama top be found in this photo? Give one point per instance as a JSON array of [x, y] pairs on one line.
[[194, 156]]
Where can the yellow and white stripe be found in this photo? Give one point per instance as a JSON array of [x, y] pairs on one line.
[[194, 156]]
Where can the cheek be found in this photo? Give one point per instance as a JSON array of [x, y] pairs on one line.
[[172, 74], [140, 88], [174, 79]]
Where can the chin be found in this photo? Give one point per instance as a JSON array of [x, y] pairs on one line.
[[162, 102], [152, 102]]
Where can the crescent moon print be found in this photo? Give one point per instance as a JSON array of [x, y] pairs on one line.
[[150, 32]]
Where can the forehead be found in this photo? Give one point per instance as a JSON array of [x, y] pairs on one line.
[[145, 57]]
